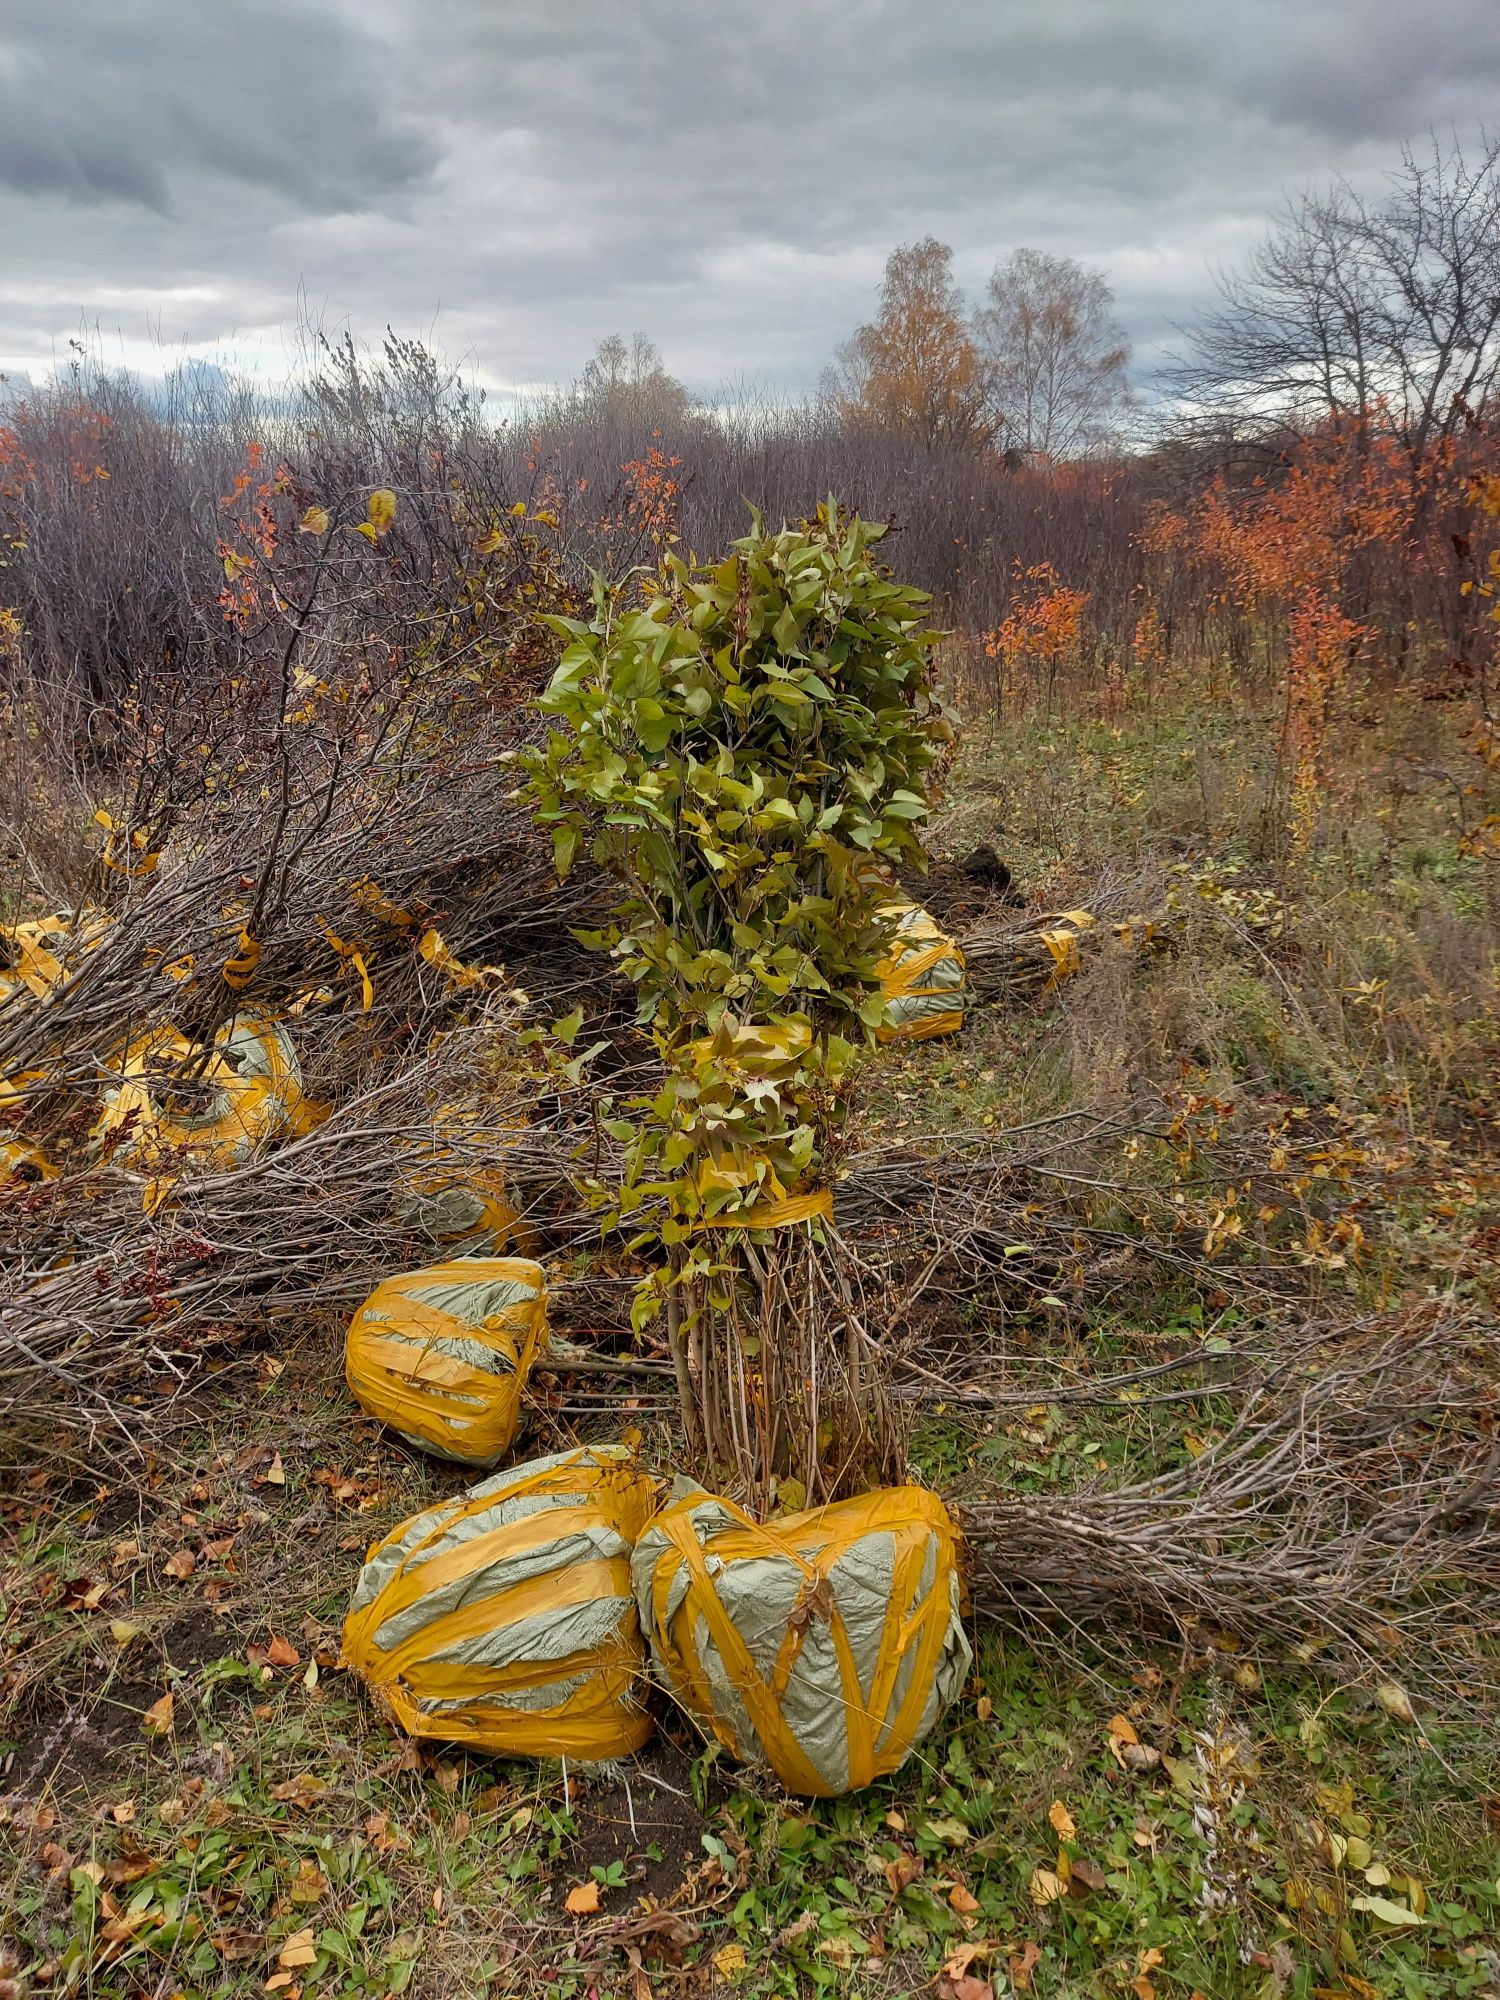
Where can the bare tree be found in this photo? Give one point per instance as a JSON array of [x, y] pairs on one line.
[[1056, 355], [631, 383], [915, 368], [1355, 310]]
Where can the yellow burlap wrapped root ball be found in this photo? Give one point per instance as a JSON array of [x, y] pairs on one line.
[[442, 1354], [921, 977], [504, 1619], [243, 1093], [459, 1205], [825, 1645]]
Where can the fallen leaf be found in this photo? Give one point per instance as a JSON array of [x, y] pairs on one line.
[[1046, 1887], [1387, 1911], [984, 1708], [157, 1721], [900, 1871], [960, 1899], [181, 1564], [275, 1474], [309, 1883], [970, 1988], [1085, 1876], [959, 1959], [123, 1813], [1395, 1701], [298, 1951], [1123, 1729], [303, 1790], [1062, 1821], [839, 1950], [730, 1961], [282, 1654], [1023, 1964], [122, 1631], [583, 1900]]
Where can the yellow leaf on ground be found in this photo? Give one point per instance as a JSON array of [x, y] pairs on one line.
[[961, 1900], [730, 1962], [275, 1473], [1046, 1887], [583, 1900], [157, 1721], [298, 1951], [308, 1884], [1121, 1727], [1395, 1701], [1062, 1821]]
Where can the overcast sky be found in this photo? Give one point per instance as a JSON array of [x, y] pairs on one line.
[[516, 178]]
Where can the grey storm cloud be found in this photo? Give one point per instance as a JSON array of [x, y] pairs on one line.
[[521, 179], [111, 102]]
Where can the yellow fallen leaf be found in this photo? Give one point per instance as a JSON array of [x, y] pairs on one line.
[[961, 1900], [298, 1951], [276, 1475], [583, 1900], [1062, 1821], [1395, 1701], [730, 1961], [309, 1883], [123, 1813], [122, 1631], [1046, 1887], [157, 1721], [1121, 1727]]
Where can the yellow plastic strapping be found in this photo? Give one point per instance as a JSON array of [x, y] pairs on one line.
[[814, 1207], [902, 974], [602, 1717], [449, 1404], [814, 1541]]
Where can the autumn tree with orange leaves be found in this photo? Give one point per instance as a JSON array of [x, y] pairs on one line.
[[915, 368]]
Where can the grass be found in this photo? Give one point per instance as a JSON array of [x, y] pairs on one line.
[[1103, 1814]]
